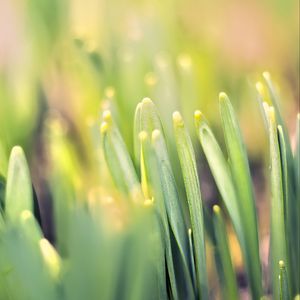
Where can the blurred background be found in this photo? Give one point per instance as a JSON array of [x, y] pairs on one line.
[[62, 62]]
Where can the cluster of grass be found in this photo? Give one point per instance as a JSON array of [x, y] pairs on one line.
[[147, 239]]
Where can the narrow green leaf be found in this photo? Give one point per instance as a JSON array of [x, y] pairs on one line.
[[146, 119], [18, 195], [278, 237], [221, 173], [240, 171], [229, 280], [30, 227], [283, 282], [151, 169], [189, 170], [192, 256], [118, 159], [172, 204]]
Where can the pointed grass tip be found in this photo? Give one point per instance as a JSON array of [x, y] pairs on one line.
[[266, 75], [281, 264], [223, 97], [107, 116], [155, 134], [147, 100], [17, 150], [198, 116], [177, 119], [104, 127], [259, 87], [216, 209], [143, 135], [148, 202]]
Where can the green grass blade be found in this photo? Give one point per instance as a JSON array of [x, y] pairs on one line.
[[221, 173], [283, 282], [189, 170], [192, 256], [278, 238], [230, 285], [18, 195], [172, 204], [118, 159], [151, 169], [146, 119], [240, 171]]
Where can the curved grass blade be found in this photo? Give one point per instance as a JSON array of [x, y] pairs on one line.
[[146, 119], [229, 281], [283, 282], [18, 196], [240, 171], [191, 181], [118, 159], [278, 237], [172, 204], [221, 173]]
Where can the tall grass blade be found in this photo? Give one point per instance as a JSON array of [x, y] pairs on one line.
[[278, 247], [221, 173], [191, 181], [18, 195], [151, 169], [239, 167], [283, 282], [172, 204], [229, 281], [118, 159]]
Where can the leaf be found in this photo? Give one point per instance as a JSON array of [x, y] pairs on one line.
[[228, 274], [283, 282], [239, 167], [221, 173], [172, 204], [18, 195], [192, 186], [151, 169], [118, 159], [278, 237], [146, 119]]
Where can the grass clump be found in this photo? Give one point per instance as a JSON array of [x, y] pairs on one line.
[[148, 235]]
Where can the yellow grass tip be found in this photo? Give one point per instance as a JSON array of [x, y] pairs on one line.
[[155, 134], [177, 119], [216, 209], [104, 127], [107, 116], [223, 96], [259, 87], [147, 100], [143, 135], [281, 264], [266, 75]]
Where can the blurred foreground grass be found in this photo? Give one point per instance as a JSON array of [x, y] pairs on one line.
[[62, 63]]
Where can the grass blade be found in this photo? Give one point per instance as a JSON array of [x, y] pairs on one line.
[[221, 173], [229, 281], [172, 204], [283, 282], [151, 169], [18, 195], [239, 167], [189, 170], [278, 238], [118, 159]]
